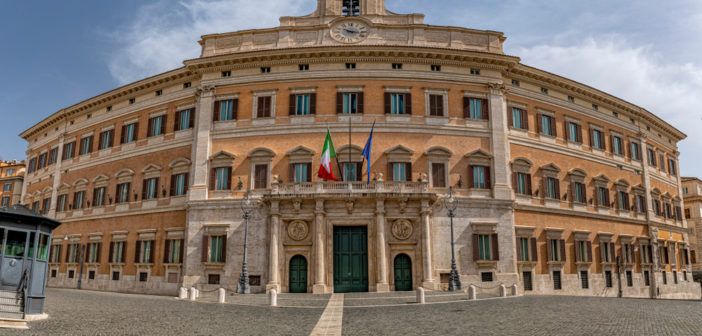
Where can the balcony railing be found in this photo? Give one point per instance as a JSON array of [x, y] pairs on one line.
[[321, 187]]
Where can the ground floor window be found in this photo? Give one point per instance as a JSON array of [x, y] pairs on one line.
[[115, 276], [584, 281], [665, 278], [608, 279], [685, 275], [527, 281], [647, 278], [675, 277], [213, 279], [629, 279], [91, 275], [557, 280], [486, 276], [53, 273], [71, 274], [143, 276]]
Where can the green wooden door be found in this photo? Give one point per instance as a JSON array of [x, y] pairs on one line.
[[403, 273], [298, 274], [350, 259]]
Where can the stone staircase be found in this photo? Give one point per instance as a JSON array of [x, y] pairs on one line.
[[12, 310]]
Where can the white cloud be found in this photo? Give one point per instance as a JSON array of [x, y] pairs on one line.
[[637, 74], [163, 34]]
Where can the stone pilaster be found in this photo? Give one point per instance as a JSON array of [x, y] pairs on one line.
[[201, 148], [652, 231], [499, 146], [319, 223], [428, 270], [57, 176], [382, 285], [274, 231]]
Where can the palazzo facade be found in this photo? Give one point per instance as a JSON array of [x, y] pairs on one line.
[[561, 188]]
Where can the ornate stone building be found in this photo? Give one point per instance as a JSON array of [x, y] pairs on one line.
[[11, 178], [692, 195], [555, 181]]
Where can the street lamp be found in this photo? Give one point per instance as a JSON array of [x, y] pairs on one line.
[[451, 204], [247, 206]]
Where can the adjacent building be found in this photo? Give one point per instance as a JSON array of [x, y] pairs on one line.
[[692, 196], [560, 188], [11, 178]]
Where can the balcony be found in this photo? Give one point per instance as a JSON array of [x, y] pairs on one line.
[[325, 187]]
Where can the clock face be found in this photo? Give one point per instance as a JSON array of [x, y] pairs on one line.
[[350, 31]]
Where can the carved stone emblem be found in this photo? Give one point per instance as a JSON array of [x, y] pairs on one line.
[[402, 229], [297, 230]]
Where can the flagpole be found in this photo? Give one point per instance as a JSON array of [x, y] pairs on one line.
[[349, 143], [338, 166]]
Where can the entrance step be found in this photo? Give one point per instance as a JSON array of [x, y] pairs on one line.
[[13, 323], [12, 301], [8, 294], [11, 308], [11, 315]]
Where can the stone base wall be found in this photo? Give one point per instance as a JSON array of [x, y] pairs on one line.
[[155, 285]]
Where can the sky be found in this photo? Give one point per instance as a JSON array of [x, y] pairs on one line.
[[58, 53]]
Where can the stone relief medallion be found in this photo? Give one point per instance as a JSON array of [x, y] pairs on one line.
[[402, 229], [297, 230]]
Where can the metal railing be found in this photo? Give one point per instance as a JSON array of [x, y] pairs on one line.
[[22, 290], [348, 187]]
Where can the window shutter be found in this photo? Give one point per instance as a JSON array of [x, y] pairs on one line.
[[552, 125], [91, 148], [229, 178], [192, 118], [164, 122], [136, 131], [408, 103], [466, 107], [291, 173], [519, 248], [359, 171], [589, 251], [539, 125], [224, 249], [476, 248], [121, 136], [309, 172], [144, 184], [495, 247], [51, 253], [602, 140], [557, 184], [339, 102], [563, 250], [186, 183], [592, 137], [534, 250], [612, 252], [388, 103], [408, 172], [514, 181], [205, 248], [215, 114], [176, 121], [471, 177], [137, 251], [602, 251], [488, 179], [151, 252], [628, 150], [313, 103], [510, 118], [577, 251], [525, 119], [213, 178], [360, 102], [111, 253], [549, 252], [486, 110], [607, 197], [579, 134], [650, 254], [150, 128], [566, 134], [173, 185], [166, 250], [292, 106], [182, 249], [235, 109], [528, 184], [611, 143], [124, 252]]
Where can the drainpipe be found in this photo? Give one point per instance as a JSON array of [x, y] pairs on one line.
[[619, 275]]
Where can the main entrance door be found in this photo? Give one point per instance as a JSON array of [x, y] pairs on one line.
[[298, 274], [350, 259], [403, 273]]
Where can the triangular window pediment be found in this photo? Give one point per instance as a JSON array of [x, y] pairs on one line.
[[151, 168], [301, 150], [577, 172], [438, 151], [222, 155], [261, 153]]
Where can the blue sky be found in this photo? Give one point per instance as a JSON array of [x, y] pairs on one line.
[[58, 53]]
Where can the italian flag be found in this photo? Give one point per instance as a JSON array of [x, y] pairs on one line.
[[325, 168]]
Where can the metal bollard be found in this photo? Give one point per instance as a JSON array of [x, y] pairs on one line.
[[193, 294], [221, 294], [183, 293], [503, 291], [472, 293], [273, 298], [515, 290], [420, 295]]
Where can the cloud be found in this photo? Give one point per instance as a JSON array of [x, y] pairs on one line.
[[634, 73], [163, 34]]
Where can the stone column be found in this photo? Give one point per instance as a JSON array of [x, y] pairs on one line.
[[499, 145], [319, 223], [274, 230], [428, 281], [382, 285], [201, 148]]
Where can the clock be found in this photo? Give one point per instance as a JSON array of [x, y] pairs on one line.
[[350, 31]]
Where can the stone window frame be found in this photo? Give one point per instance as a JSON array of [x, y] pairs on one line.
[[555, 234], [301, 155], [273, 93], [527, 232], [116, 237], [215, 230], [612, 134], [80, 185], [676, 203], [399, 154], [636, 191], [63, 190], [470, 94], [601, 129], [440, 155], [123, 176], [259, 156], [101, 181], [622, 185], [398, 89], [444, 92], [542, 112], [180, 166], [632, 141], [644, 241], [520, 106], [221, 159], [583, 236], [142, 236], [661, 158], [568, 120], [667, 198], [607, 238], [218, 98], [342, 154], [360, 91], [303, 90], [152, 171], [577, 175], [486, 228], [601, 181], [627, 240], [522, 165], [550, 171], [652, 149], [480, 157]]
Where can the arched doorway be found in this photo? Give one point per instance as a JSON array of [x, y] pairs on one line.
[[298, 274], [403, 273]]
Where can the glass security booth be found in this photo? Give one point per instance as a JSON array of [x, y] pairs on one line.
[[24, 252]]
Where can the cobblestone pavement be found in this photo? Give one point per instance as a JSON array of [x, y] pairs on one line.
[[96, 313]]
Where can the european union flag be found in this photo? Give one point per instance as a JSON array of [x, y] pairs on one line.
[[367, 151]]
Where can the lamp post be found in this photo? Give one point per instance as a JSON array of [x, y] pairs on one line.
[[451, 204], [247, 206]]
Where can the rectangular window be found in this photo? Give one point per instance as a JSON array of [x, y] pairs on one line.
[[187, 85], [302, 171], [618, 145], [42, 161], [226, 110], [93, 252], [515, 83], [122, 195], [436, 68], [438, 175], [603, 197], [129, 133], [597, 139], [518, 118], [397, 66], [304, 67], [552, 188], [213, 279], [528, 285], [546, 125], [608, 279], [629, 279], [106, 139], [264, 107], [571, 99], [524, 249], [623, 200], [226, 73], [157, 126], [350, 171], [605, 252], [484, 247], [261, 176], [118, 252], [544, 90], [265, 70], [397, 103], [132, 101], [583, 251], [179, 185], [145, 251], [222, 175], [584, 281], [86, 145], [399, 172], [350, 66], [350, 103], [573, 134], [665, 278], [71, 274], [5, 201], [302, 104], [486, 276], [143, 276], [7, 187], [183, 120], [671, 167], [522, 184], [216, 249], [651, 157], [640, 203], [557, 280], [78, 200], [32, 165], [99, 197], [115, 276], [476, 108], [150, 189], [61, 206], [644, 254], [68, 150], [555, 249], [579, 192], [436, 105], [53, 156], [687, 213], [173, 251], [635, 151], [647, 278], [479, 177]]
